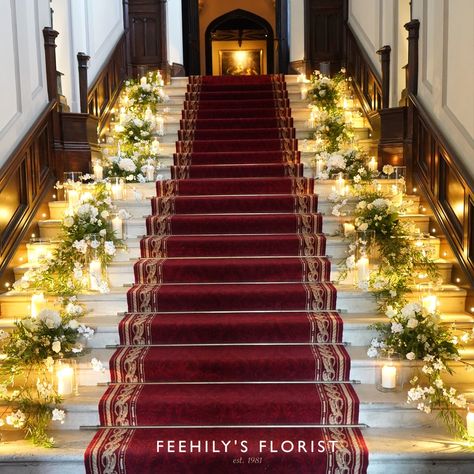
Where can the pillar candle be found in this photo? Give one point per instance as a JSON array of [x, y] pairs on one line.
[[150, 173], [373, 164], [95, 275], [363, 272], [143, 81], [389, 376], [341, 185], [73, 197], [304, 93], [160, 125], [65, 376], [430, 303], [117, 191], [319, 167], [38, 302], [98, 172], [155, 147], [470, 424], [117, 227]]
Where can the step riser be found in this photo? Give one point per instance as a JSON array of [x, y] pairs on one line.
[[375, 418]]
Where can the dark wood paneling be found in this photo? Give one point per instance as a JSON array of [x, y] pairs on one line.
[[324, 32], [26, 177], [104, 91], [191, 49], [446, 184]]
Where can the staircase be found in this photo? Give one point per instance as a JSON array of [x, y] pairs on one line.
[[399, 438]]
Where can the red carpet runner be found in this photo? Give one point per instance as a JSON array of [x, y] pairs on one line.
[[231, 356]]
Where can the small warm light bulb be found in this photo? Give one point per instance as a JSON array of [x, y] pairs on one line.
[[54, 196], [33, 236], [415, 190], [433, 230], [43, 215], [7, 285], [472, 309], [423, 209], [445, 254], [21, 259], [458, 280]]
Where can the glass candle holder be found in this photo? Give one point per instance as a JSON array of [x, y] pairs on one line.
[[388, 373], [65, 377], [38, 249], [117, 188], [428, 298], [117, 225], [38, 303], [364, 243], [97, 170], [470, 420], [72, 187]]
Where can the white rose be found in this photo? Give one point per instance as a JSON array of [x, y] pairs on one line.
[[68, 222], [73, 324], [104, 214], [390, 312], [412, 323], [410, 356], [388, 169], [364, 226], [56, 347]]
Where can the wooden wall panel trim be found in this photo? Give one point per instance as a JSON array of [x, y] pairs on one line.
[[446, 184], [31, 169], [103, 92], [367, 81]]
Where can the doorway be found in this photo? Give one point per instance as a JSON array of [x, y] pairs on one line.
[[239, 43]]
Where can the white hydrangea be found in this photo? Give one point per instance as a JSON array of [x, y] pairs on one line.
[[97, 365], [127, 164], [16, 419], [68, 222], [58, 415], [109, 248], [372, 352], [396, 328], [50, 318], [80, 245], [412, 323]]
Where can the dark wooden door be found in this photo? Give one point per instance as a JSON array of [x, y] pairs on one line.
[[324, 32]]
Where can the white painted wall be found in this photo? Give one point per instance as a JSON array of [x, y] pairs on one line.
[[23, 92], [446, 70], [89, 26], [377, 23], [175, 32], [296, 20]]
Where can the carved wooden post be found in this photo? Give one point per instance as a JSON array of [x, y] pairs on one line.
[[82, 61], [384, 52], [49, 36], [413, 28]]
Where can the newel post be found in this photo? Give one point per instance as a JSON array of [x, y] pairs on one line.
[[50, 36], [82, 63], [384, 53], [413, 28]]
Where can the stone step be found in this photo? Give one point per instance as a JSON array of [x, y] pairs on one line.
[[377, 409], [422, 450], [134, 228], [450, 300], [141, 208]]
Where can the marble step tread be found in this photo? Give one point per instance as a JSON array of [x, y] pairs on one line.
[[423, 450]]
